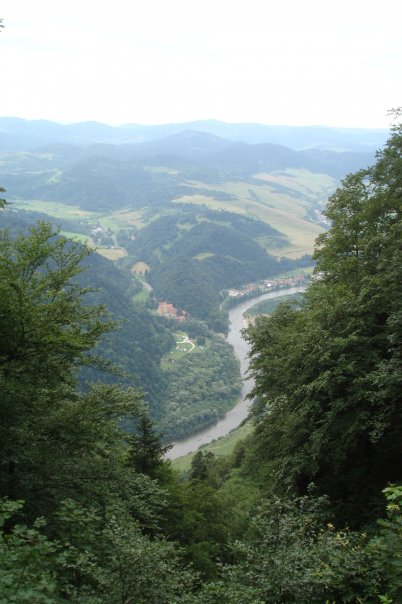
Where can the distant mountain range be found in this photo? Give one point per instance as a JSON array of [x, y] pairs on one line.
[[17, 134], [105, 176]]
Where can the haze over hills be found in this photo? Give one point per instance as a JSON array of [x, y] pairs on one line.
[[19, 134]]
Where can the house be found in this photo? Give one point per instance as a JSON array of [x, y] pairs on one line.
[[166, 309]]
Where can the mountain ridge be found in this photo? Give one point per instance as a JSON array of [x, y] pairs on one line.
[[19, 134]]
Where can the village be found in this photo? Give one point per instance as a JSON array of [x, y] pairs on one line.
[[268, 285], [166, 309]]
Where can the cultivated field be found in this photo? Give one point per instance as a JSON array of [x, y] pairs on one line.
[[282, 199], [112, 253], [283, 211]]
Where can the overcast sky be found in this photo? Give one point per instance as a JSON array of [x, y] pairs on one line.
[[298, 62]]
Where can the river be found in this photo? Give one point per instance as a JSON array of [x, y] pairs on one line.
[[239, 412]]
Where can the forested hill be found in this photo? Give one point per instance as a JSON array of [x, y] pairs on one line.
[[140, 339], [195, 254]]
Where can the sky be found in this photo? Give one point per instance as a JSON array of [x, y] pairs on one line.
[[295, 62]]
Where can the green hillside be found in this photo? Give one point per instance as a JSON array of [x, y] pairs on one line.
[[272, 183], [197, 253]]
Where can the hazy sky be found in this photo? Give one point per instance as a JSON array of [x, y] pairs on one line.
[[298, 62]]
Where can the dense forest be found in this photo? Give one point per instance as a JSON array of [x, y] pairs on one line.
[[200, 389], [306, 510]]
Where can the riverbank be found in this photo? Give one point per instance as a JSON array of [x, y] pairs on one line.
[[239, 412], [222, 447]]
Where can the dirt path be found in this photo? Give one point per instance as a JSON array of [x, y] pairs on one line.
[[186, 340]]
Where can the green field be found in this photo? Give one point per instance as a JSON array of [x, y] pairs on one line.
[[183, 347], [203, 255], [311, 185], [284, 212], [77, 237], [113, 220], [142, 296], [54, 208], [222, 446], [112, 253]]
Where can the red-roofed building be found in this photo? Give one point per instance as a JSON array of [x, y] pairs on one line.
[[167, 309]]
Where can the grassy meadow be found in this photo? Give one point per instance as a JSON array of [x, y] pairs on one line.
[[112, 253], [222, 446], [183, 346], [286, 212]]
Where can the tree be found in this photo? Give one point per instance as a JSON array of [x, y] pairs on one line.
[[328, 376], [201, 341], [3, 202], [46, 327], [200, 465], [64, 451], [293, 553], [146, 452], [55, 441]]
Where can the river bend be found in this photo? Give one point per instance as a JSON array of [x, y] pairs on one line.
[[239, 412]]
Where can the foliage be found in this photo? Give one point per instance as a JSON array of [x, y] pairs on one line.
[[293, 553], [27, 561], [37, 272], [96, 559], [328, 375], [386, 547], [64, 451], [146, 453], [200, 465], [137, 347], [46, 332]]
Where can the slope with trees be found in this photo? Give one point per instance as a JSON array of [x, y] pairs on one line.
[[328, 375], [196, 254]]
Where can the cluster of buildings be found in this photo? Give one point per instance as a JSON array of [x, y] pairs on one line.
[[102, 236], [166, 309], [266, 286]]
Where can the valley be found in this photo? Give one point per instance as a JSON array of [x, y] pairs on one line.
[[185, 325], [186, 220]]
